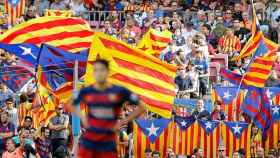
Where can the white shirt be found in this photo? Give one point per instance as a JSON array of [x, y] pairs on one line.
[[13, 116]]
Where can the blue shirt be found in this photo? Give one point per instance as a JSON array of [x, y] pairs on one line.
[[201, 65]]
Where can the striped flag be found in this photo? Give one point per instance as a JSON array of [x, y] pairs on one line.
[[153, 42], [273, 136], [14, 9], [145, 75], [61, 13], [69, 34], [183, 142], [232, 143], [141, 142]]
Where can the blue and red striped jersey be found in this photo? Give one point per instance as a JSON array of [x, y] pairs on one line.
[[104, 108]]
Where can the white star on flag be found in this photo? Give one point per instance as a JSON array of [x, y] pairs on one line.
[[27, 51], [268, 93], [184, 123], [208, 125], [275, 110], [237, 129], [226, 95], [153, 130]]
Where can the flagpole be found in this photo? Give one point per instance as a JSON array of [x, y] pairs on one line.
[[75, 119]]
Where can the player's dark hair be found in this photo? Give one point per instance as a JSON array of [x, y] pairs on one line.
[[103, 62], [28, 118]]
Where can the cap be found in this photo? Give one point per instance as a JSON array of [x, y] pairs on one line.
[[189, 24]]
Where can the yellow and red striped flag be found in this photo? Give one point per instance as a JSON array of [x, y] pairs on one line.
[[273, 137], [14, 9], [145, 75], [142, 142], [153, 42], [70, 34], [60, 13], [232, 143], [183, 142]]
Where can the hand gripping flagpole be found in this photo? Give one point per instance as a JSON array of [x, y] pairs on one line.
[[75, 119]]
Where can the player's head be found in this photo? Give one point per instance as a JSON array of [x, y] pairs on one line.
[[101, 70]]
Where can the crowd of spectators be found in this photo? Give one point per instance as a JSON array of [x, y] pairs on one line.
[[200, 30]]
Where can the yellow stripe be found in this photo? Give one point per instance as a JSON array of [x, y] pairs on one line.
[[161, 142], [143, 77], [164, 113], [248, 147], [253, 83], [260, 66], [230, 142], [202, 141], [195, 137], [51, 31], [215, 142], [143, 62], [257, 75], [275, 134], [147, 93], [177, 139]]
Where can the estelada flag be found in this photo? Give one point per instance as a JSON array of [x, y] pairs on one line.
[[68, 34], [144, 74], [14, 9], [61, 13], [153, 42]]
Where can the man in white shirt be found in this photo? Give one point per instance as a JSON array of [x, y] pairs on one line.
[[10, 108]]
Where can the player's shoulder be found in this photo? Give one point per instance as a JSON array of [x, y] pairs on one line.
[[118, 88]]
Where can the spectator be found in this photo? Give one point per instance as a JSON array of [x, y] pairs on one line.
[[43, 5], [241, 32], [199, 20], [11, 151], [7, 130], [200, 112], [189, 32], [5, 94], [228, 18], [179, 57], [256, 140], [27, 124], [272, 154], [242, 153], [27, 146], [219, 29], [235, 154], [210, 39], [222, 152], [148, 153], [134, 32], [78, 8], [157, 11], [24, 109], [179, 38], [58, 126], [218, 114], [246, 22], [156, 154], [201, 65], [273, 80], [200, 153], [12, 111], [260, 152], [238, 11], [43, 143], [108, 29], [229, 44], [58, 5]]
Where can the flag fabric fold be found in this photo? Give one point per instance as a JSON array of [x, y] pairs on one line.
[[145, 75], [69, 34]]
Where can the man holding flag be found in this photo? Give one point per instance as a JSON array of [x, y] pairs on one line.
[[104, 101]]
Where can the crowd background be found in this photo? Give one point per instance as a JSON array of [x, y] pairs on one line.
[[201, 31]]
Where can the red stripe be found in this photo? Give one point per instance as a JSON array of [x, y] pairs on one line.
[[205, 144], [101, 123], [139, 141], [227, 141], [258, 70], [230, 112], [148, 143], [75, 45], [58, 36], [156, 103], [238, 104], [255, 44], [143, 84], [263, 62], [45, 25], [191, 138], [251, 109], [174, 137], [125, 49], [159, 38], [218, 138], [234, 143], [271, 131], [144, 70], [260, 120], [254, 79], [157, 143], [245, 138], [166, 133], [12, 14], [180, 142], [20, 7], [6, 6]]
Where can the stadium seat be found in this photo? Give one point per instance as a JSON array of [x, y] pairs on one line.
[[220, 58], [214, 71]]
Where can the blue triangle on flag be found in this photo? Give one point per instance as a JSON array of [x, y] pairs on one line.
[[184, 122], [275, 113], [271, 92], [237, 128], [227, 94], [153, 128], [208, 126]]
